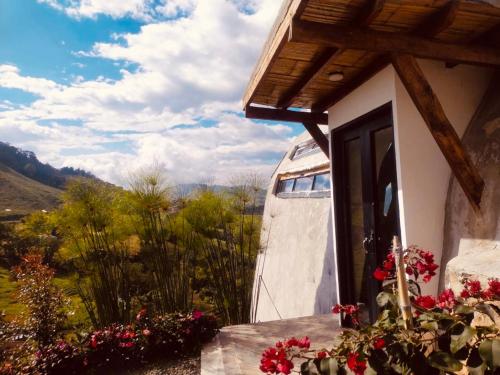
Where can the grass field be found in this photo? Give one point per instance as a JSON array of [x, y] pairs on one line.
[[7, 289], [11, 309]]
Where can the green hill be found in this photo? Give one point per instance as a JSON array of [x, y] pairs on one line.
[[20, 195]]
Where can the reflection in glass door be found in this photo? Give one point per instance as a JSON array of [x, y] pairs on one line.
[[366, 208]]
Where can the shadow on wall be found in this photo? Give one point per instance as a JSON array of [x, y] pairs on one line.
[[482, 141], [326, 295]]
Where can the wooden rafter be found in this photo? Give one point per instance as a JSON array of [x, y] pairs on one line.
[[488, 37], [273, 114], [289, 9], [440, 127], [308, 119], [386, 42], [318, 136], [367, 14], [430, 27], [439, 21]]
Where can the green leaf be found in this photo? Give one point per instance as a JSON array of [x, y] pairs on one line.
[[464, 310], [328, 366], [383, 298], [430, 325], [489, 350], [445, 362], [459, 341], [488, 310], [309, 368]]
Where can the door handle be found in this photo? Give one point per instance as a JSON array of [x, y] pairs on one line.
[[368, 242]]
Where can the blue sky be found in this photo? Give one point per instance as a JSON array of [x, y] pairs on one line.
[[114, 86]]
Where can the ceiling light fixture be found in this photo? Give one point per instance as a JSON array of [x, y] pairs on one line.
[[336, 76]]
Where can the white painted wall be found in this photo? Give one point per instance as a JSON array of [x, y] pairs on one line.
[[423, 173], [295, 273]]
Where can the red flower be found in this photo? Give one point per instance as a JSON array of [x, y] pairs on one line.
[[428, 257], [379, 343], [464, 293], [141, 314], [493, 289], [291, 342], [284, 367], [474, 286], [421, 268], [197, 314], [321, 355], [446, 300], [93, 342], [275, 361], [388, 265], [337, 309], [425, 302], [304, 343], [428, 277], [128, 344], [356, 364], [380, 274], [409, 270]]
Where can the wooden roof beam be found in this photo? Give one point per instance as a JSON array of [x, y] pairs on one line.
[[308, 119], [318, 137], [438, 21], [386, 42], [262, 113], [432, 26], [367, 14], [440, 127]]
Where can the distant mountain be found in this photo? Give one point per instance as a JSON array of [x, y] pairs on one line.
[[20, 195], [27, 184], [27, 164], [188, 189]]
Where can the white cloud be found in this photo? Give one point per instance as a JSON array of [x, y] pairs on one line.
[[10, 78], [190, 70]]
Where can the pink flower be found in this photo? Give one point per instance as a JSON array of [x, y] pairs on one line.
[[146, 332]]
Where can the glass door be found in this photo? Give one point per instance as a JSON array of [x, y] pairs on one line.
[[364, 173]]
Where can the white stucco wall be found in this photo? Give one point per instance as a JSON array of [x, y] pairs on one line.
[[422, 170], [295, 273]]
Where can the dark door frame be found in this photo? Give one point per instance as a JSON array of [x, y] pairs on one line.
[[362, 128]]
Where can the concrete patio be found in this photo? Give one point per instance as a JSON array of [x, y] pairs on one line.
[[236, 350]]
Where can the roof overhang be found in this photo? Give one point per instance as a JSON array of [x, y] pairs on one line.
[[311, 39]]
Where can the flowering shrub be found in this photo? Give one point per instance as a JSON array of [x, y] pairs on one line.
[[451, 334], [45, 302], [120, 345]]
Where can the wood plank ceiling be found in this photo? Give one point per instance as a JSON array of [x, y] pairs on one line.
[[296, 73]]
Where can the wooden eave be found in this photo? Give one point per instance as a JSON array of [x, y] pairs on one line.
[[295, 73], [358, 38]]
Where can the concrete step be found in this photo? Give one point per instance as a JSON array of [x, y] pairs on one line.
[[237, 350]]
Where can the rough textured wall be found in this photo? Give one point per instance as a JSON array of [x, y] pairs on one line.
[[295, 273], [471, 240]]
